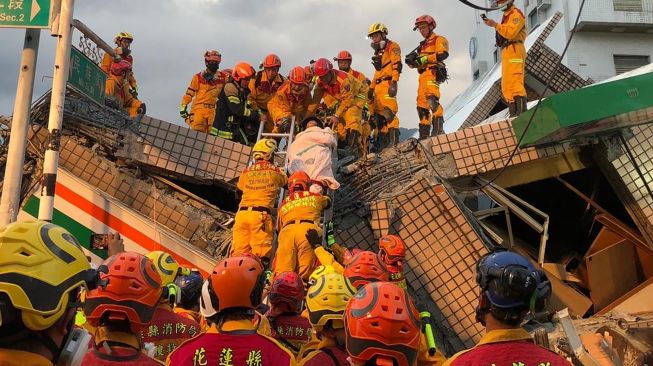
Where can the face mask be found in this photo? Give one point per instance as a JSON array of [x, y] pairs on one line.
[[213, 67], [74, 348]]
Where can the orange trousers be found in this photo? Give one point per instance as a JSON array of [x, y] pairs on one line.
[[383, 100], [201, 119], [427, 86], [252, 233], [294, 252], [513, 64], [120, 91]]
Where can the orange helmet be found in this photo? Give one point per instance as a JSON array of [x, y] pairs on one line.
[[298, 76], [392, 251], [132, 293], [382, 323], [425, 19], [271, 60], [287, 288], [343, 55], [365, 267], [322, 67], [242, 70], [299, 181], [212, 56], [236, 282]]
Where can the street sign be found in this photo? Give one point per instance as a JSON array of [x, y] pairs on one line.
[[86, 77], [24, 13]]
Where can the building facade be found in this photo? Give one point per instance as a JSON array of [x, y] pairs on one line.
[[613, 36]]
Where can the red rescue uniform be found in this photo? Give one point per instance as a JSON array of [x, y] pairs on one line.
[[168, 330]]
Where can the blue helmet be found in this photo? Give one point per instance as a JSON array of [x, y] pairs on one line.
[[191, 289], [510, 281]]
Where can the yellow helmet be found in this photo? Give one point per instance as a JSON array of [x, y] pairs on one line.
[[123, 35], [321, 270], [326, 300], [165, 265], [377, 27], [264, 149], [42, 268]]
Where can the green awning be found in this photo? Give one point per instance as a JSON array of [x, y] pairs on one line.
[[589, 111]]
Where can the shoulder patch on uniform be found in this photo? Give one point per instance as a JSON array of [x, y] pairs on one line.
[[396, 51], [515, 21], [347, 87]]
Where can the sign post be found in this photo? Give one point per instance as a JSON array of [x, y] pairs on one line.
[[86, 77], [25, 13]]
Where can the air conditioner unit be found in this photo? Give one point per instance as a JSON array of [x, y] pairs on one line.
[[543, 4]]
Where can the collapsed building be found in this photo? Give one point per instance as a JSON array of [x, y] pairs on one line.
[[571, 192]]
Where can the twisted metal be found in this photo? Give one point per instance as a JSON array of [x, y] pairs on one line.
[[91, 50]]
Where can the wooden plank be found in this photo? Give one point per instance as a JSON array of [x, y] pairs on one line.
[[611, 273]]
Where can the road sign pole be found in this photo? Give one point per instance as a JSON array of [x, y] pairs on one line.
[[58, 97], [11, 188]]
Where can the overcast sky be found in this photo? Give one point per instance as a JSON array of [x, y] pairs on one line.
[[172, 35]]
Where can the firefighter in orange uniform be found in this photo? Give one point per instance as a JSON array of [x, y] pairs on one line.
[[229, 297], [339, 90], [290, 100], [121, 84], [168, 330], [387, 63], [299, 212], [510, 36], [429, 58], [286, 298], [263, 86], [123, 52], [121, 310], [344, 60], [392, 252], [203, 91], [189, 301], [260, 183]]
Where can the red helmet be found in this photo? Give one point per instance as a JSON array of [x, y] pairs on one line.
[[271, 60], [242, 70], [322, 67], [382, 322], [287, 288], [365, 267], [392, 250], [299, 181], [212, 56], [343, 55], [425, 19], [132, 293], [236, 282], [297, 75]]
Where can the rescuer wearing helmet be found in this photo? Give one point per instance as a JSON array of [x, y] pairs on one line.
[[344, 60], [339, 90], [42, 269], [121, 86], [229, 296], [510, 288], [189, 301], [290, 100], [326, 302], [168, 330], [510, 36], [387, 63], [299, 212], [392, 252], [260, 184], [286, 298], [121, 310], [203, 91], [429, 58], [123, 41], [263, 86], [382, 326], [235, 119]]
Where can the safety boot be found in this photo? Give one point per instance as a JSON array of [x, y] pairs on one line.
[[353, 138], [520, 105], [438, 126], [512, 109], [393, 136], [423, 131], [382, 141]]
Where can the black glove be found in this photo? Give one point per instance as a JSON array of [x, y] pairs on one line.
[[314, 238], [392, 90], [284, 125]]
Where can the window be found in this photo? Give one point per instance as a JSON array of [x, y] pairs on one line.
[[533, 19], [625, 63], [627, 5]]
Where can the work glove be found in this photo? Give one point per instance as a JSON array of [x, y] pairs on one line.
[[422, 60], [213, 131], [284, 125], [172, 293], [183, 112], [392, 90], [330, 235], [314, 238], [133, 92]]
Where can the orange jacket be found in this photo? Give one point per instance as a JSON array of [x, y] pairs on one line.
[[260, 184], [432, 47], [168, 330], [343, 88], [12, 357], [285, 105], [202, 92], [513, 25], [262, 90], [361, 98], [106, 67], [302, 206], [390, 63]]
